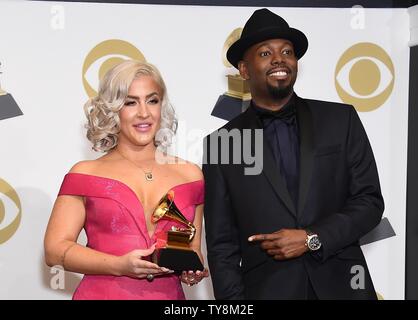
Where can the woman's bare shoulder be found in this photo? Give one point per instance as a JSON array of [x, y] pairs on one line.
[[189, 170], [89, 166]]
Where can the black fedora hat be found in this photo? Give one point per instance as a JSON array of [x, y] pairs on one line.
[[263, 25]]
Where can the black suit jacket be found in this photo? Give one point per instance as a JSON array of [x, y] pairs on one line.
[[339, 198]]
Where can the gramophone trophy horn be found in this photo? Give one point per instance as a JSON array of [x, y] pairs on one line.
[[175, 253], [167, 209]]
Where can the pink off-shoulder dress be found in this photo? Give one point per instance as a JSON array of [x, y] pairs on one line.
[[115, 224]]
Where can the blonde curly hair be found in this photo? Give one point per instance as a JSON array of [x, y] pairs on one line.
[[102, 111]]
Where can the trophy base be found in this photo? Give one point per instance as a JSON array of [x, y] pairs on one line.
[[177, 259], [228, 107], [8, 107], [382, 231]]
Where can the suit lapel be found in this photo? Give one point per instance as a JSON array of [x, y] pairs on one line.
[[307, 146], [270, 169]]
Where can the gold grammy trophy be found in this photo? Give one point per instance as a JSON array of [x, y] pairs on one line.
[[237, 98], [8, 105], [173, 249]]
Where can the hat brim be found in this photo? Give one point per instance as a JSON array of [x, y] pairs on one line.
[[238, 48]]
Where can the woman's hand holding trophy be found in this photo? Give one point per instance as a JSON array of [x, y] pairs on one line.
[[173, 250]]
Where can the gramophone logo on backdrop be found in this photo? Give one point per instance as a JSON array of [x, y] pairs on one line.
[[8, 105], [364, 76], [237, 98], [103, 57], [10, 211]]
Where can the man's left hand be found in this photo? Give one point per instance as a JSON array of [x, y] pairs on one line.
[[283, 244]]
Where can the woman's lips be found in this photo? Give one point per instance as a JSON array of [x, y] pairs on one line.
[[143, 127]]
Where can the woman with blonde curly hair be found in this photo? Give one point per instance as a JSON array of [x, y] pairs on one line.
[[114, 196]]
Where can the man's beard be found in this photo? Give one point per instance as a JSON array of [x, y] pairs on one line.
[[278, 92]]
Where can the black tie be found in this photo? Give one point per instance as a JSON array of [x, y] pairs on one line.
[[287, 115], [281, 131]]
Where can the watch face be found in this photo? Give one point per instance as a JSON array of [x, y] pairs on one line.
[[314, 243]]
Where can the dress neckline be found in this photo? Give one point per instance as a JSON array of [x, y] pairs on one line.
[[123, 184]]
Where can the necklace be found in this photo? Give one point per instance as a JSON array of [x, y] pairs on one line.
[[148, 173]]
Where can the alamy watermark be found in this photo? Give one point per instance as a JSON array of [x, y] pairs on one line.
[[358, 280], [358, 20], [57, 17], [234, 146], [57, 281]]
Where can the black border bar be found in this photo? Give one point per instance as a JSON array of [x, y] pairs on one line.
[[268, 3], [411, 264]]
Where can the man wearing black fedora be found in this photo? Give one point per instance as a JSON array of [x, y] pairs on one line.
[[291, 231]]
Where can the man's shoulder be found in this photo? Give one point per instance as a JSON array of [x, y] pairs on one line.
[[327, 105]]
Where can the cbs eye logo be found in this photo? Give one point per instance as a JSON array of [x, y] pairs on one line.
[[9, 203], [102, 58], [364, 76]]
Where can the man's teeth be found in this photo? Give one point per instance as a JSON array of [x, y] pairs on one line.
[[279, 74]]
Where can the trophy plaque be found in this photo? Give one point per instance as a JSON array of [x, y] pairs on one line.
[[173, 249]]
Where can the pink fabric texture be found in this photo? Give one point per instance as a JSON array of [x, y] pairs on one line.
[[115, 224]]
